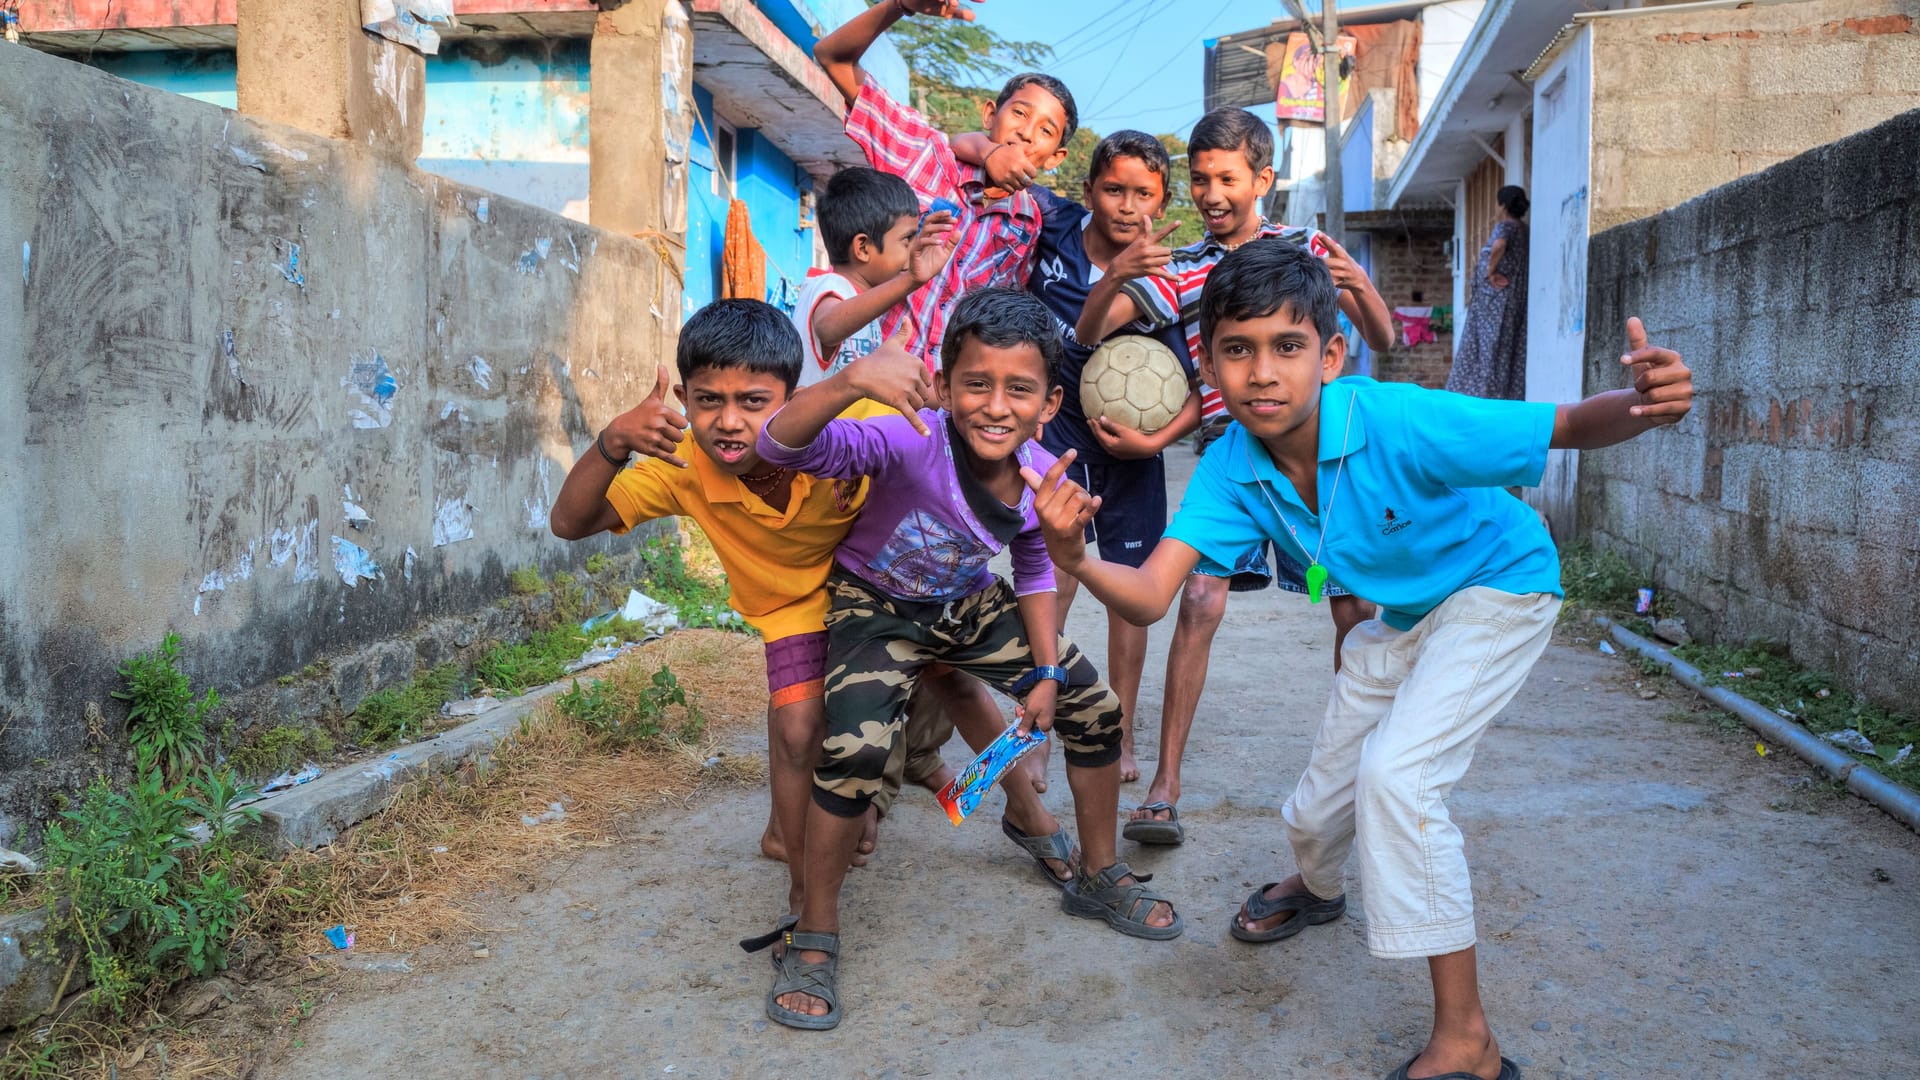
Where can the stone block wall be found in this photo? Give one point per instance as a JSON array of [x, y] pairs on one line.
[[1688, 100], [1787, 506], [274, 392], [1410, 268]]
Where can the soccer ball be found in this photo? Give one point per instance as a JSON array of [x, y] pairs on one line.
[[1135, 382]]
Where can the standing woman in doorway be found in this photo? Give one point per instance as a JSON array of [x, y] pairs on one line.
[[1491, 360]]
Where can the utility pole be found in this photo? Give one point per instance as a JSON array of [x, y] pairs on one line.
[[1336, 224]]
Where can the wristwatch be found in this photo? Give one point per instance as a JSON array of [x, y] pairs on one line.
[[1044, 671]]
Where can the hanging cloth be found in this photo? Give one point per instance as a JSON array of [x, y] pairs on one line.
[[743, 262]]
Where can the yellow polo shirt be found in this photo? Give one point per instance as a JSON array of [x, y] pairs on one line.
[[776, 562]]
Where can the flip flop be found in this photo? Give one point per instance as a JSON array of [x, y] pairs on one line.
[[1153, 830], [1508, 1070], [1124, 907], [1058, 846], [1310, 909], [819, 979]]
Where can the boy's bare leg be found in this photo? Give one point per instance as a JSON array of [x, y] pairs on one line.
[[830, 841], [1462, 1041], [1202, 605], [977, 717], [1126, 657], [1096, 810], [794, 733], [1348, 612]]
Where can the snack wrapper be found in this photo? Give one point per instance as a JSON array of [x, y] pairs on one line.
[[963, 795]]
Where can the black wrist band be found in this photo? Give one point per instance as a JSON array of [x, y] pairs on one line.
[[599, 444]]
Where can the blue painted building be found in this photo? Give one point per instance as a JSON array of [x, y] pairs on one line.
[[510, 114]]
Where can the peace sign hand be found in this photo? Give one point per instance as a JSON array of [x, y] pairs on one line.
[[652, 427], [1145, 257]]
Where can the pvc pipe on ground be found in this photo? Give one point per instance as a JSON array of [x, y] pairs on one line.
[[1900, 803]]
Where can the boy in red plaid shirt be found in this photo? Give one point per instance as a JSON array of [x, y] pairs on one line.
[[997, 223]]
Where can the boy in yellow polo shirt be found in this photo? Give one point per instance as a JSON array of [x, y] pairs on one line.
[[775, 532]]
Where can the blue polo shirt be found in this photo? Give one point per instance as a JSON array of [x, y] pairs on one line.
[[1420, 512]]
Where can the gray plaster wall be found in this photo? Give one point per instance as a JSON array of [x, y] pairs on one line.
[[1787, 506], [236, 358]]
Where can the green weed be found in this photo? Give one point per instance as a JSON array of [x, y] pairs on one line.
[[598, 562], [1762, 674], [164, 720], [277, 749], [400, 712], [697, 595], [542, 658], [526, 581], [1599, 580], [629, 711]]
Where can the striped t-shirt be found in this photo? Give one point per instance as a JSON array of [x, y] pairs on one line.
[[1164, 303]]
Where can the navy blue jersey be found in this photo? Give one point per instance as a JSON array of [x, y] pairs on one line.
[[1062, 277]]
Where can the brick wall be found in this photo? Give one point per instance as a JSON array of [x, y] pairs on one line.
[[1686, 101], [1787, 506], [1410, 268]]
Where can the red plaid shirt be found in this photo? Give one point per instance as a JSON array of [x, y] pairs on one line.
[[994, 241], [1163, 303]]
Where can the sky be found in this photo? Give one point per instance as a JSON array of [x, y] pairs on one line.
[[1130, 63]]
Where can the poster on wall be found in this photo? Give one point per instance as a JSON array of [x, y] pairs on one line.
[[1299, 92], [1573, 263]]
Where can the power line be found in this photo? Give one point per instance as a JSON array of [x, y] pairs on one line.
[[1169, 58], [1104, 20]]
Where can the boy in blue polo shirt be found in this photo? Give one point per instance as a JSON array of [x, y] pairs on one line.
[[1395, 491]]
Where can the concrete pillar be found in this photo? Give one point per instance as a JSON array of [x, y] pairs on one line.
[[309, 64], [641, 118], [1515, 145]]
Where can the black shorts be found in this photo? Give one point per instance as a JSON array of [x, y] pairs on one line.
[[1133, 506]]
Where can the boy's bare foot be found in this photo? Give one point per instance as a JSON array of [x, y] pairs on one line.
[[869, 839], [802, 1002], [938, 781], [1129, 768], [771, 845], [1468, 1052], [1161, 792]]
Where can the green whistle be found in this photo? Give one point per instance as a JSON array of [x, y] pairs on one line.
[[1316, 582]]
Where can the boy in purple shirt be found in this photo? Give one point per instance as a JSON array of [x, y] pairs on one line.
[[911, 587]]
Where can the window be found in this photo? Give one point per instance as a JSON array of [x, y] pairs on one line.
[[725, 141]]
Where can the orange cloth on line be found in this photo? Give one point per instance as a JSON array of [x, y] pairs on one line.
[[743, 262]]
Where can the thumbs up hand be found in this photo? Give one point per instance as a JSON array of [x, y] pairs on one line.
[[893, 376], [652, 427]]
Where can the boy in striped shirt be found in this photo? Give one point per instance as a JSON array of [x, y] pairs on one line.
[[1230, 162]]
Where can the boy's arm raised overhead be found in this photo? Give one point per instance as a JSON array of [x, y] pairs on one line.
[[653, 428], [840, 52], [1140, 595], [1662, 394]]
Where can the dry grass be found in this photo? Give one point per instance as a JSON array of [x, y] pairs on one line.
[[417, 872]]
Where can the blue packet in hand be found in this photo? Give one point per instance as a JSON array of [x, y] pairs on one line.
[[963, 795]]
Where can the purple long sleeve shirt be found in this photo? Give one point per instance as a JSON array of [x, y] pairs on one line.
[[917, 538]]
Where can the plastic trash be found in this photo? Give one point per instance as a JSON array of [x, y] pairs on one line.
[[554, 812], [963, 795], [9, 857], [472, 706], [340, 937], [640, 608], [307, 774], [1850, 740], [1607, 647], [1643, 603], [604, 650], [384, 963], [1901, 757]]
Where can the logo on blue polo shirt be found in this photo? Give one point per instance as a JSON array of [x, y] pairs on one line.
[[1391, 521], [1052, 270]]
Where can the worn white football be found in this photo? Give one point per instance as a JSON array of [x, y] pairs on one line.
[[1134, 381]]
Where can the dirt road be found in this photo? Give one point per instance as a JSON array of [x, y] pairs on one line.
[[1655, 899]]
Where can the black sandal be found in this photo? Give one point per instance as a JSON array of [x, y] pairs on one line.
[[1309, 910], [1152, 830], [815, 978], [1124, 907], [1508, 1070], [1057, 847], [755, 944]]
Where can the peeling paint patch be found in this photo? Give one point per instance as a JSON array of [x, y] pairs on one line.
[[217, 580], [531, 258], [407, 571], [26, 262], [357, 518], [452, 408], [371, 381], [452, 522], [353, 563], [297, 544], [290, 262], [537, 503], [483, 210], [247, 158], [482, 372], [297, 155]]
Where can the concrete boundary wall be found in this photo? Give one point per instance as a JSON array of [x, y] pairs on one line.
[[271, 391], [1787, 506]]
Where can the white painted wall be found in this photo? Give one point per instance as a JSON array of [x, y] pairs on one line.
[[1443, 31], [1462, 261], [1557, 264]]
